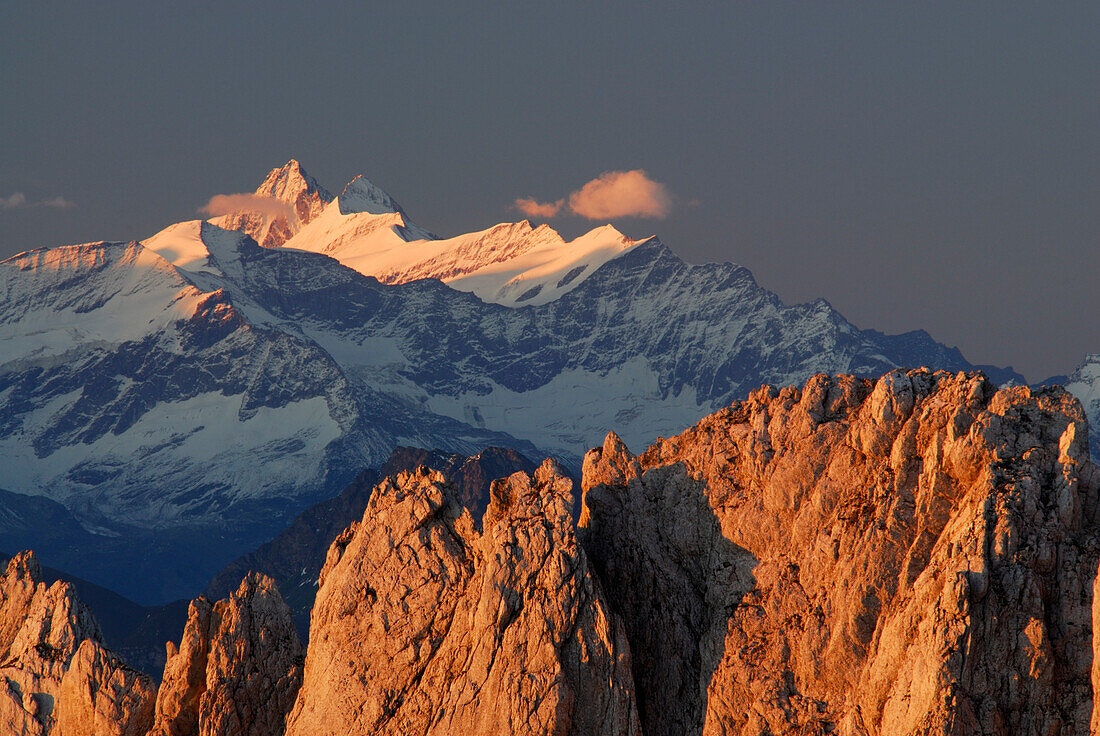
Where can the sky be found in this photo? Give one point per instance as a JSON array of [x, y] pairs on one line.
[[927, 165]]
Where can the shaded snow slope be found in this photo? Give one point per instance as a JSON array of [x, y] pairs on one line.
[[140, 396]]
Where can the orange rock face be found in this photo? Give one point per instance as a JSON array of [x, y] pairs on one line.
[[55, 675], [237, 669], [912, 555], [425, 626]]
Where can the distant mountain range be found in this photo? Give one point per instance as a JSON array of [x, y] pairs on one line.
[[182, 398]]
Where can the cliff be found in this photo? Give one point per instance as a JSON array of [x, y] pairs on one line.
[[912, 555], [56, 677], [423, 625]]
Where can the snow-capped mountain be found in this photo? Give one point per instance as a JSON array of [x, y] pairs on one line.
[[141, 398], [198, 381], [1084, 383], [512, 263]]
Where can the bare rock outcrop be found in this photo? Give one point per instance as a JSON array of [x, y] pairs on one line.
[[101, 696], [55, 675], [423, 625], [17, 589], [912, 555], [237, 669]]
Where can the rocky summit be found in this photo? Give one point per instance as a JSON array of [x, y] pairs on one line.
[[911, 555], [56, 677], [506, 631], [908, 556]]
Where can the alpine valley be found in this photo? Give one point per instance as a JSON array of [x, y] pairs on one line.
[[170, 404]]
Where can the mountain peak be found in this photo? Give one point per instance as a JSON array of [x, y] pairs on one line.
[[290, 184], [363, 195]]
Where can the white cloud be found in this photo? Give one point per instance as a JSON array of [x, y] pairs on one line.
[[621, 194], [19, 201], [59, 203]]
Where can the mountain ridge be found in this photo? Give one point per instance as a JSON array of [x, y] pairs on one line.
[[197, 381]]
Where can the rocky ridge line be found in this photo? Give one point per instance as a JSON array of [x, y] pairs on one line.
[[910, 555]]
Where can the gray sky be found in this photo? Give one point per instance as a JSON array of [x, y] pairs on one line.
[[919, 165]]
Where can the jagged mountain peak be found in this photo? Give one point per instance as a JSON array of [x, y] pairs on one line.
[[291, 185], [363, 195]]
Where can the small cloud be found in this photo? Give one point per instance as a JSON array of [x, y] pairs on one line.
[[59, 203], [611, 195], [13, 202], [621, 194], [225, 204], [533, 208], [18, 201]]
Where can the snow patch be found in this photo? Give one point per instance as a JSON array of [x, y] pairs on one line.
[[627, 399]]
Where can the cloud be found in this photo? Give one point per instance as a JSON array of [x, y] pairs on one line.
[[533, 208], [13, 202], [611, 195], [224, 204], [621, 194], [59, 203], [18, 201]]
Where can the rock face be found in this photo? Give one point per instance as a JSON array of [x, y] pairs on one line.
[[423, 625], [237, 669], [912, 555], [55, 675], [101, 696], [659, 548], [295, 557]]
